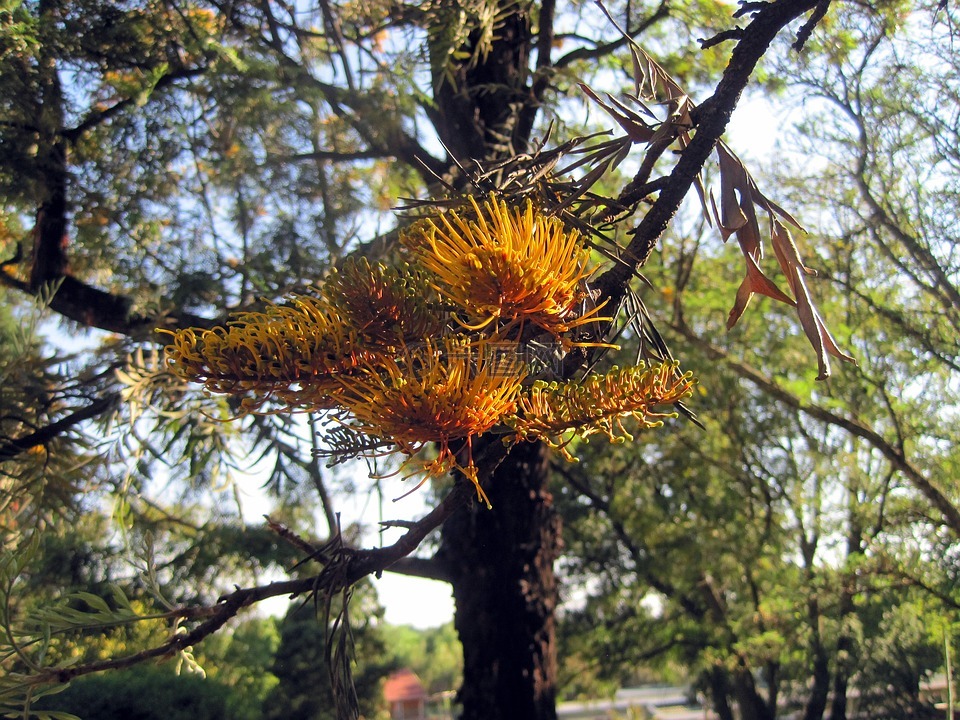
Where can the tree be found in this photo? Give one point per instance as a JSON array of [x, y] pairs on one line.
[[242, 661], [301, 665], [784, 543], [433, 654], [146, 694], [163, 139]]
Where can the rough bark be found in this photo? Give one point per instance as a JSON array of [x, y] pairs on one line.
[[49, 261], [500, 561], [749, 701], [501, 564], [719, 685], [847, 660], [480, 109]]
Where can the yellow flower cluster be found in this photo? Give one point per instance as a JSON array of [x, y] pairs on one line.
[[557, 412], [506, 264], [289, 354], [388, 306], [432, 394], [432, 352]]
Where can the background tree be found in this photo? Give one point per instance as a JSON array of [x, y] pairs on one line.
[[433, 654], [166, 163], [301, 666], [146, 693], [785, 543]]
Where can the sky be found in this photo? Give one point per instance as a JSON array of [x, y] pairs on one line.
[[414, 601], [406, 600]]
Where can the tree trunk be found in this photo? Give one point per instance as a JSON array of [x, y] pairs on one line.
[[486, 109], [49, 241], [501, 562], [847, 659], [751, 704], [820, 668], [719, 684]]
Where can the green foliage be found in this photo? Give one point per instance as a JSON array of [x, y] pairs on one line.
[[784, 538], [433, 654], [241, 660], [142, 694], [214, 161], [302, 669], [896, 657]]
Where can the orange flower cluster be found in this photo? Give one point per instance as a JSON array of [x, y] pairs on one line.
[[381, 350], [388, 306], [433, 394], [557, 412], [506, 264], [289, 354]]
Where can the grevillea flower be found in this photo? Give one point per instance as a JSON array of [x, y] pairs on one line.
[[291, 353], [503, 263], [559, 411], [434, 392], [388, 306], [378, 348]]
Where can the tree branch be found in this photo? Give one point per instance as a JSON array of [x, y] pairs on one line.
[[711, 117], [97, 117], [340, 573], [96, 308], [218, 615], [395, 142], [427, 568], [11, 448], [331, 155], [894, 455], [599, 51]]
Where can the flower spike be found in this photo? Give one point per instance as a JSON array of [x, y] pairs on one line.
[[432, 393], [290, 353], [557, 412], [495, 262]]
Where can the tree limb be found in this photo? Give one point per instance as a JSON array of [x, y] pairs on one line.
[[330, 155], [335, 577], [427, 568], [604, 49], [894, 455], [12, 447], [96, 308], [711, 117], [395, 142], [218, 615], [100, 116]]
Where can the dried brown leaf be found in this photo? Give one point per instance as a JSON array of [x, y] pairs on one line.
[[736, 210], [810, 320], [637, 130], [650, 80], [740, 198], [754, 282]]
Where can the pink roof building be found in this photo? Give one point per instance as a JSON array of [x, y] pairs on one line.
[[405, 696]]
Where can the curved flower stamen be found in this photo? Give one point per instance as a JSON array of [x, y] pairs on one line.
[[291, 353], [432, 393], [498, 262], [387, 305], [559, 411]]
